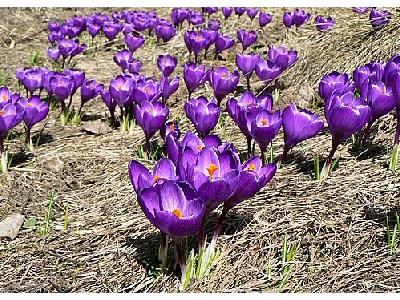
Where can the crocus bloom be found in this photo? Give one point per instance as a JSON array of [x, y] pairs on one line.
[[227, 11], [93, 28], [168, 87], [335, 82], [10, 116], [203, 114], [252, 12], [141, 177], [253, 177], [135, 66], [247, 63], [379, 18], [223, 42], [264, 128], [111, 29], [324, 24], [240, 11], [264, 19], [121, 90], [246, 38], [364, 75], [288, 19], [77, 77], [282, 57], [151, 116], [268, 71], [133, 42], [146, 90], [298, 125], [31, 79], [53, 53], [174, 210], [165, 31], [123, 58], [166, 64], [90, 89], [61, 86], [170, 128], [300, 17], [194, 76], [345, 115], [223, 82], [214, 24]]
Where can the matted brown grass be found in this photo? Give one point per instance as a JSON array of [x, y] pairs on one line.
[[110, 246]]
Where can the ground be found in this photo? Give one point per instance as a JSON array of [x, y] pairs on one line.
[[339, 226]]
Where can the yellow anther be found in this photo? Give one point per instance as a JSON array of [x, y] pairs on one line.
[[177, 212], [211, 170]]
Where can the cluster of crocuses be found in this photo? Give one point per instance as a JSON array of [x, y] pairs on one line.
[[296, 18], [200, 175], [138, 96], [378, 18], [15, 109], [61, 85], [350, 105]]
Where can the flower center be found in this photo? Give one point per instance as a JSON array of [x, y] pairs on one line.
[[172, 127], [5, 97], [264, 121], [200, 147], [156, 178], [29, 105], [224, 75], [147, 89], [2, 112], [252, 167], [211, 170], [119, 87], [177, 212]]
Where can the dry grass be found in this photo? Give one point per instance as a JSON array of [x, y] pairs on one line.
[[110, 246]]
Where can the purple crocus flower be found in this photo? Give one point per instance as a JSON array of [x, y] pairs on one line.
[[364, 75], [175, 209], [168, 87], [141, 177], [324, 24], [168, 128], [165, 31], [166, 64], [214, 24], [53, 53], [93, 28], [194, 76], [268, 71], [36, 110], [77, 76], [10, 116], [203, 114], [282, 57], [252, 12], [264, 19], [151, 116], [61, 86], [247, 63], [195, 18], [223, 82], [335, 82], [53, 26], [90, 89], [222, 43], [239, 11], [346, 115], [379, 18], [123, 58], [121, 89], [288, 19], [196, 41], [111, 29], [146, 89], [31, 79], [298, 125], [300, 17], [55, 36], [134, 42], [264, 128], [246, 38], [227, 11], [135, 66]]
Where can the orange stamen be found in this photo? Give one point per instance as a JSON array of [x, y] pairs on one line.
[[172, 127], [29, 105], [2, 112], [5, 97], [264, 122], [177, 212], [156, 178], [211, 170], [252, 167]]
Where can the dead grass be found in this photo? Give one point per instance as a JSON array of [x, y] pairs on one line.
[[110, 246]]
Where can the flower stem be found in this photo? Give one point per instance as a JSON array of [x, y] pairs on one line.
[[327, 166], [248, 138], [201, 235], [163, 250], [263, 158], [69, 102], [284, 154], [217, 228], [248, 83], [366, 134], [397, 134], [179, 257]]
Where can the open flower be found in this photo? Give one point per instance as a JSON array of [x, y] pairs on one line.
[[166, 64], [264, 19], [298, 126], [168, 87], [222, 43], [121, 89], [203, 114], [246, 38], [223, 82], [335, 82], [134, 42], [324, 24], [194, 76]]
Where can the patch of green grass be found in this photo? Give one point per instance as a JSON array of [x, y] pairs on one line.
[[45, 229], [35, 60], [288, 256], [393, 236]]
